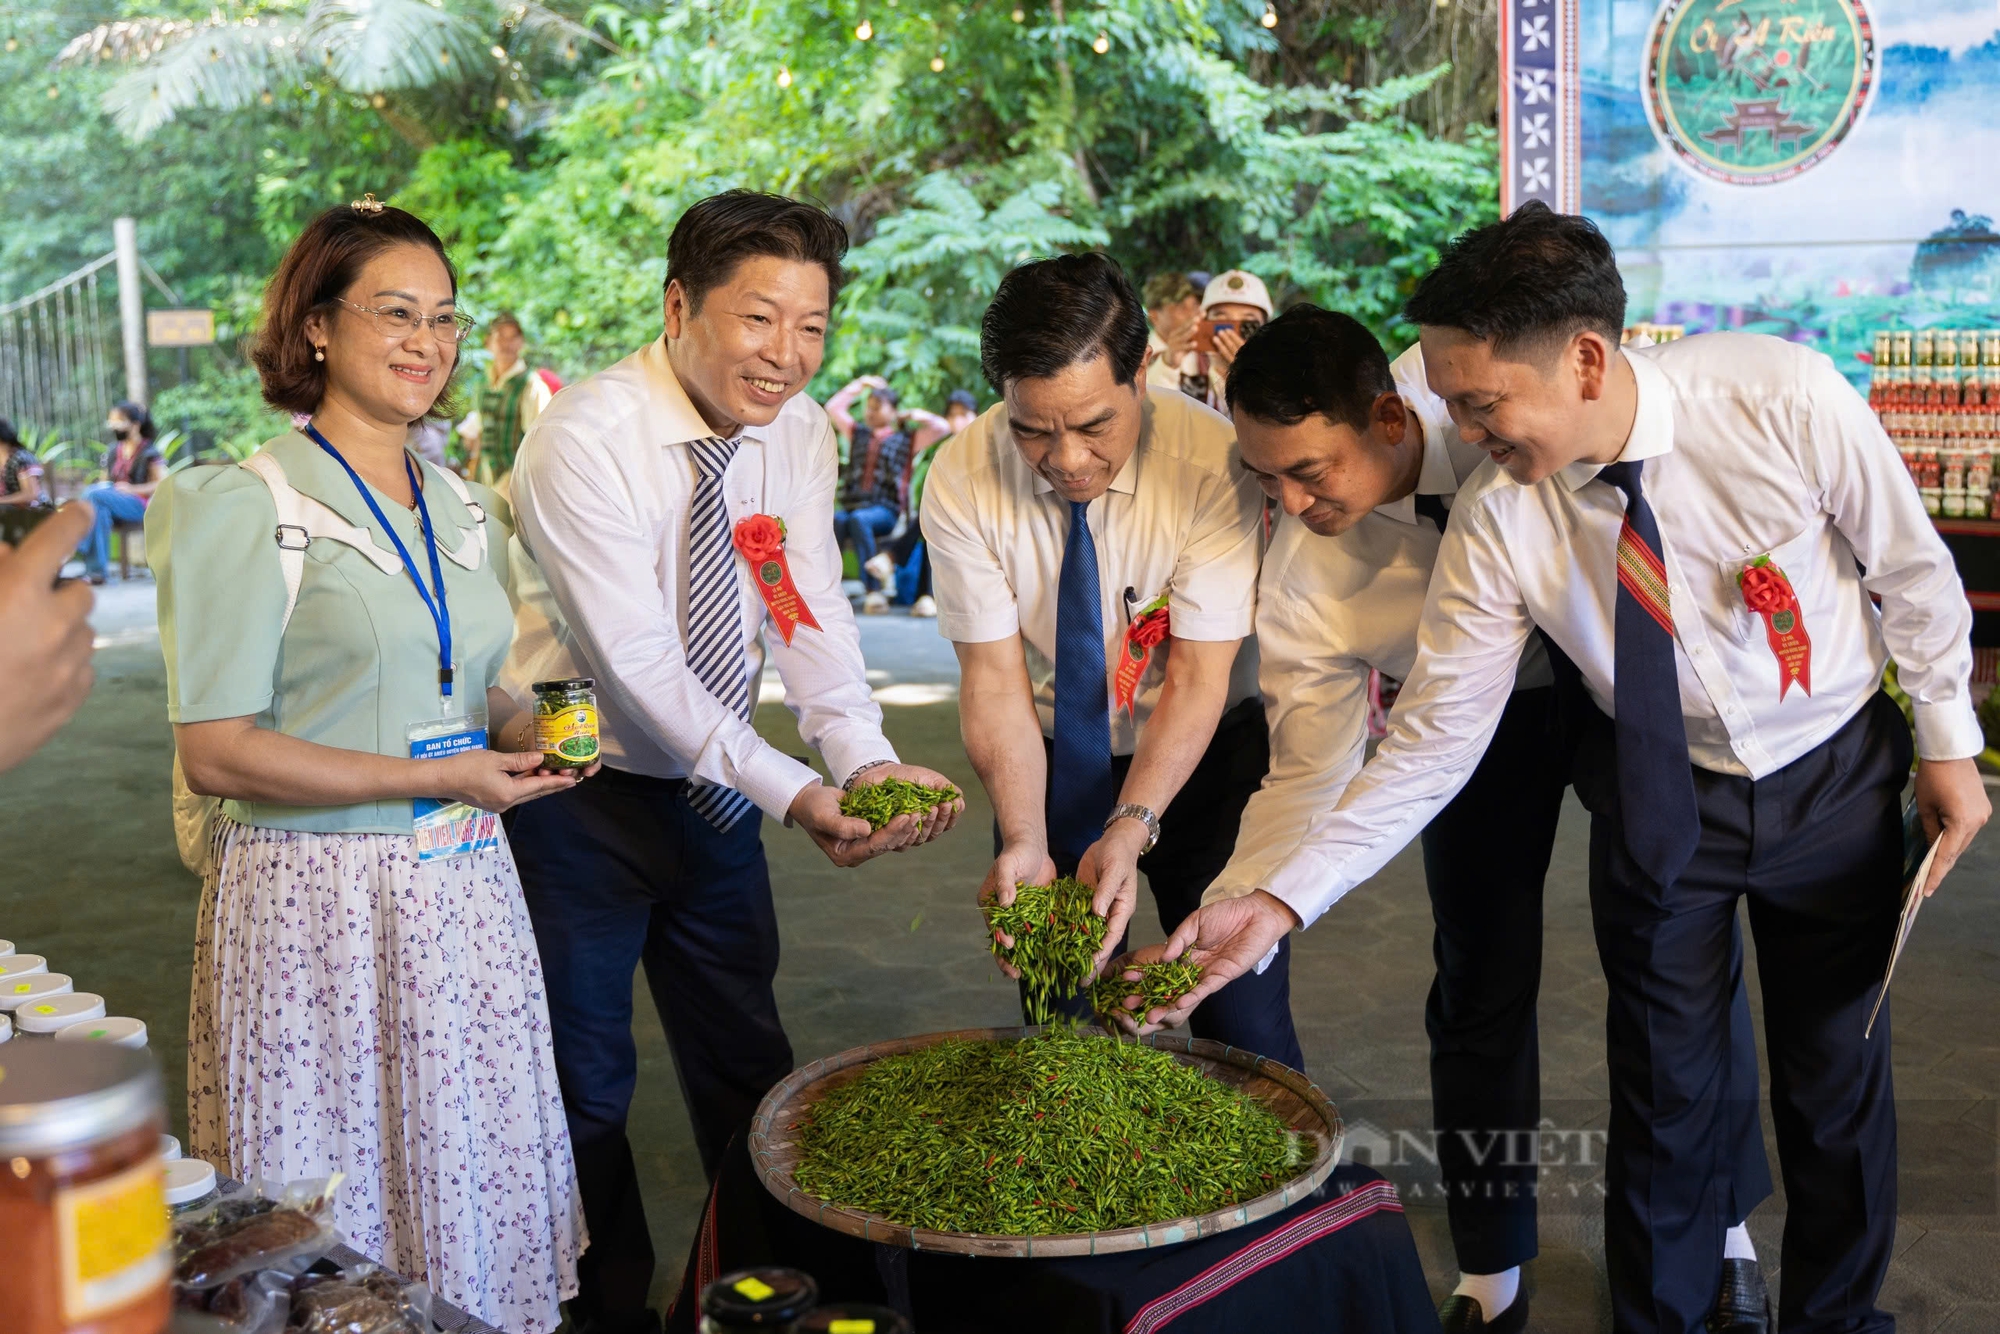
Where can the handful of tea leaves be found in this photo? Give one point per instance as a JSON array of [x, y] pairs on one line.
[[1056, 936], [1058, 1133], [1159, 986], [879, 803]]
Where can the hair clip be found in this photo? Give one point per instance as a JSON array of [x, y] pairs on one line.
[[368, 203]]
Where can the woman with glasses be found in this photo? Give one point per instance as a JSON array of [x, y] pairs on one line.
[[367, 995]]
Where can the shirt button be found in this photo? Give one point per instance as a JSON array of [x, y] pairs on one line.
[[1700, 649]]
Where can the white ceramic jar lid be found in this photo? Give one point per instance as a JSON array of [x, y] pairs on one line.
[[59, 1012], [22, 965], [188, 1179], [117, 1030], [170, 1148], [18, 991]]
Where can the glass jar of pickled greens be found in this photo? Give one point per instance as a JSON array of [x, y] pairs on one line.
[[566, 722]]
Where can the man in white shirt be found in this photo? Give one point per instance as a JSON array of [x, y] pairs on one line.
[[1173, 304], [636, 494], [1700, 526], [1094, 546], [1363, 460]]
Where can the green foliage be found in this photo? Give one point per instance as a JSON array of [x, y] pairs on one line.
[[227, 405]]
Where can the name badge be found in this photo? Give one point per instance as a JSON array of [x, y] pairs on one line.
[[446, 829]]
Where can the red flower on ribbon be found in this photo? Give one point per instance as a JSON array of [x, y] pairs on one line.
[[1150, 630], [760, 537], [1765, 589]]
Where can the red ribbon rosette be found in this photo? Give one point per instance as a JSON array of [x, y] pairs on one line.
[[1768, 593], [760, 539], [1146, 632]]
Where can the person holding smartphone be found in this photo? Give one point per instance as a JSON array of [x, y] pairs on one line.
[[1236, 305]]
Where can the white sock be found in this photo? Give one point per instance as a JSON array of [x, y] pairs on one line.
[[1736, 1244], [1494, 1292]]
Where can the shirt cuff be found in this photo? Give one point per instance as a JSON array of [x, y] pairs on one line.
[[1949, 731], [772, 779], [847, 750], [1301, 883]]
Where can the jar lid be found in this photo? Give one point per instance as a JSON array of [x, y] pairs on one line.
[[54, 1098], [754, 1298], [58, 1012], [16, 992], [6, 1027], [117, 1030], [188, 1179], [6, 948], [170, 1148], [851, 1318], [22, 965], [570, 683]]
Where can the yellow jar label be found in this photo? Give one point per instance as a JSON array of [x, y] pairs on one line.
[[112, 1240], [862, 1326], [571, 733]]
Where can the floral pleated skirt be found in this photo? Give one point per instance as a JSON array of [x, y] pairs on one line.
[[356, 1011]]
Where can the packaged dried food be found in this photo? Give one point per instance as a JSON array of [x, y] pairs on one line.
[[242, 1235], [362, 1300]]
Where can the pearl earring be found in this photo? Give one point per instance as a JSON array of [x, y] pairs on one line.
[[319, 354]]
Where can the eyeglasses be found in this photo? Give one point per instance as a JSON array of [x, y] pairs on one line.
[[399, 322]]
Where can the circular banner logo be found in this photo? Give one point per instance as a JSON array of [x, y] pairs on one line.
[[1753, 92]]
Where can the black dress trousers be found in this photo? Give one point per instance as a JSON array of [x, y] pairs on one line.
[[1816, 849]]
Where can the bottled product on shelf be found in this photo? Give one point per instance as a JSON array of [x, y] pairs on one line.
[[1937, 392]]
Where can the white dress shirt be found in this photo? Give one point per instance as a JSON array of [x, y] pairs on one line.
[[1330, 609], [1161, 373], [1182, 517], [602, 489], [1752, 445]]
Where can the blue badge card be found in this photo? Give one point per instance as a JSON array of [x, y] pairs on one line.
[[446, 829]]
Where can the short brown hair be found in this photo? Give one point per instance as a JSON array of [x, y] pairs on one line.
[[1167, 289], [321, 264], [722, 231]]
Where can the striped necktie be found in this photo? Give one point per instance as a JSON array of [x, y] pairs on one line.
[[1080, 788], [1655, 779], [715, 615]]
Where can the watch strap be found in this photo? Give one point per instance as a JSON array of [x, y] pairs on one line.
[[1145, 815]]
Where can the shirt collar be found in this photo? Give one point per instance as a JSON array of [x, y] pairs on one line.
[[312, 471], [676, 420], [1127, 481], [1652, 424], [1435, 475]]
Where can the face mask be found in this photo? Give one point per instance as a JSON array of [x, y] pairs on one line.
[[119, 432]]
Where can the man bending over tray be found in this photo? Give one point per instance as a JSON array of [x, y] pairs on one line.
[[1094, 547]]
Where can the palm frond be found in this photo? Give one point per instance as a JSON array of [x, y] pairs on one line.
[[547, 30], [369, 46], [181, 66]]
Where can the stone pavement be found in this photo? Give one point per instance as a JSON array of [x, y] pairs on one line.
[[91, 879]]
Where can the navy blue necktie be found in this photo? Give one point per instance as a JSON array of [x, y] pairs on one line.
[[1080, 791], [1655, 779]]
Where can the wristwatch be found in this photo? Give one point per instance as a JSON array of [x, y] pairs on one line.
[[1143, 814]]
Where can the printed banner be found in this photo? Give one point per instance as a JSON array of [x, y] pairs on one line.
[[1539, 141]]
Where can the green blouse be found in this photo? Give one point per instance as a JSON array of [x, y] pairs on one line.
[[358, 662]]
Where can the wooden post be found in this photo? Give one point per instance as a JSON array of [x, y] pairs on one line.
[[131, 307]]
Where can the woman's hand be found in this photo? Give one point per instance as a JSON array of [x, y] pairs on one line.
[[495, 780]]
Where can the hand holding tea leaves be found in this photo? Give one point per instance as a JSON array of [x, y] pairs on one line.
[[900, 790], [1110, 866], [1225, 939]]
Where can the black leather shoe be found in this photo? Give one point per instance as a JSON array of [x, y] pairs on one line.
[[1462, 1315], [1744, 1304]]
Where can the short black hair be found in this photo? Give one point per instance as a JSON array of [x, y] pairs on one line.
[[722, 231], [1537, 276], [1055, 313], [8, 435], [1310, 362], [138, 416], [887, 395], [962, 398]]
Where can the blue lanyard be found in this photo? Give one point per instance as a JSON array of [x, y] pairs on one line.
[[440, 612]]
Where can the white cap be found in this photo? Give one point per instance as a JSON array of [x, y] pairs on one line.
[[170, 1148], [18, 991], [188, 1179], [59, 1012], [6, 1028], [118, 1031], [1245, 289], [22, 965], [6, 948]]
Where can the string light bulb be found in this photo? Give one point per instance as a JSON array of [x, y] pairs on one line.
[[13, 45], [937, 64], [1019, 16], [1103, 42], [378, 101], [1270, 19], [500, 102], [863, 31], [784, 77]]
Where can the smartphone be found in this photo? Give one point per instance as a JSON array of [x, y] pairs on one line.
[[17, 521], [1204, 334]]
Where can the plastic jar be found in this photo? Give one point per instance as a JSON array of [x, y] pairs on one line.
[[117, 1030], [190, 1185], [15, 966], [82, 1204], [566, 722], [6, 1027], [851, 1318], [757, 1299], [170, 1148], [6, 948], [19, 991], [55, 1013]]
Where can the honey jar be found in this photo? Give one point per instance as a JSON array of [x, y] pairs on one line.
[[82, 1199]]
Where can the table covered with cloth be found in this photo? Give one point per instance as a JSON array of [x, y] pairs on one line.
[[1340, 1259]]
